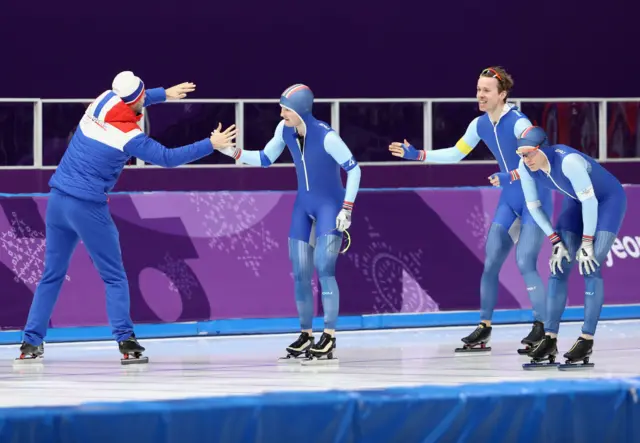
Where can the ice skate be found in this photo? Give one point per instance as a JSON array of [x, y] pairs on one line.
[[132, 352], [544, 354], [477, 341], [322, 352], [531, 341], [299, 349], [30, 354], [579, 352]]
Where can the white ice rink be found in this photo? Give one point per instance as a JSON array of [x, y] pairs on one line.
[[218, 366]]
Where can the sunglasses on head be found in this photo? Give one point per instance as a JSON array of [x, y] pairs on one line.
[[490, 72]]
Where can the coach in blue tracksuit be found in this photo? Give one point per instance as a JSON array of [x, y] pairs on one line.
[[593, 208], [107, 136], [322, 210]]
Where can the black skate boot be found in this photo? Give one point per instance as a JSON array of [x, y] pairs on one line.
[[477, 341], [30, 353], [132, 351], [580, 351], [534, 337], [545, 350], [298, 349], [322, 352]]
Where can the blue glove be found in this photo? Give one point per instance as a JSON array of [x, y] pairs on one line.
[[407, 151], [500, 179]]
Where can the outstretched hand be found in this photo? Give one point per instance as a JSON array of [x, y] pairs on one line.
[[407, 151], [180, 91], [222, 140]]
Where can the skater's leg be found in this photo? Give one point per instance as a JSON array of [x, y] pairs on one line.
[[61, 240], [498, 246], [594, 285], [301, 256], [326, 255], [569, 228], [558, 285], [100, 235], [301, 241], [611, 213], [527, 251]]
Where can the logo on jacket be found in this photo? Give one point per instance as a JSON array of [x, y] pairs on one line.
[[96, 121]]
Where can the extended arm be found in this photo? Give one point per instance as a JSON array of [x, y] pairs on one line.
[[265, 157], [155, 96], [467, 143], [149, 150], [160, 95], [464, 146]]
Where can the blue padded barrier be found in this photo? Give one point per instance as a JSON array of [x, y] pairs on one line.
[[605, 410]]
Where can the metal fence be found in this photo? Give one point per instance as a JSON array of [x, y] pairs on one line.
[[239, 104]]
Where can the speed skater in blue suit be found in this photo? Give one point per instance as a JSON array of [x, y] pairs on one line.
[[321, 213], [499, 128], [592, 212]]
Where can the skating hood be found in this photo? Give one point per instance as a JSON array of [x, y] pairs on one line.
[[299, 99]]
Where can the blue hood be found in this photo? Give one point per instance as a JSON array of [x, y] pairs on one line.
[[299, 99], [533, 136]]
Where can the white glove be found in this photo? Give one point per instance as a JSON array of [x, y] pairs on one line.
[[343, 221], [559, 251], [587, 262]]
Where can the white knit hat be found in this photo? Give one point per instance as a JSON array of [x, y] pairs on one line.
[[128, 87]]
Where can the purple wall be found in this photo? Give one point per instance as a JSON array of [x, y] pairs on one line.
[[192, 256], [283, 178], [357, 48]]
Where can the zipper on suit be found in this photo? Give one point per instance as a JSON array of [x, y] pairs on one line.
[[301, 147]]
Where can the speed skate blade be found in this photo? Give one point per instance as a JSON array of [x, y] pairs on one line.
[[290, 360], [314, 361], [575, 366], [541, 365], [28, 361], [134, 361], [472, 351]]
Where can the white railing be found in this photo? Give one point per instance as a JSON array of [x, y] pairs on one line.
[[427, 117]]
